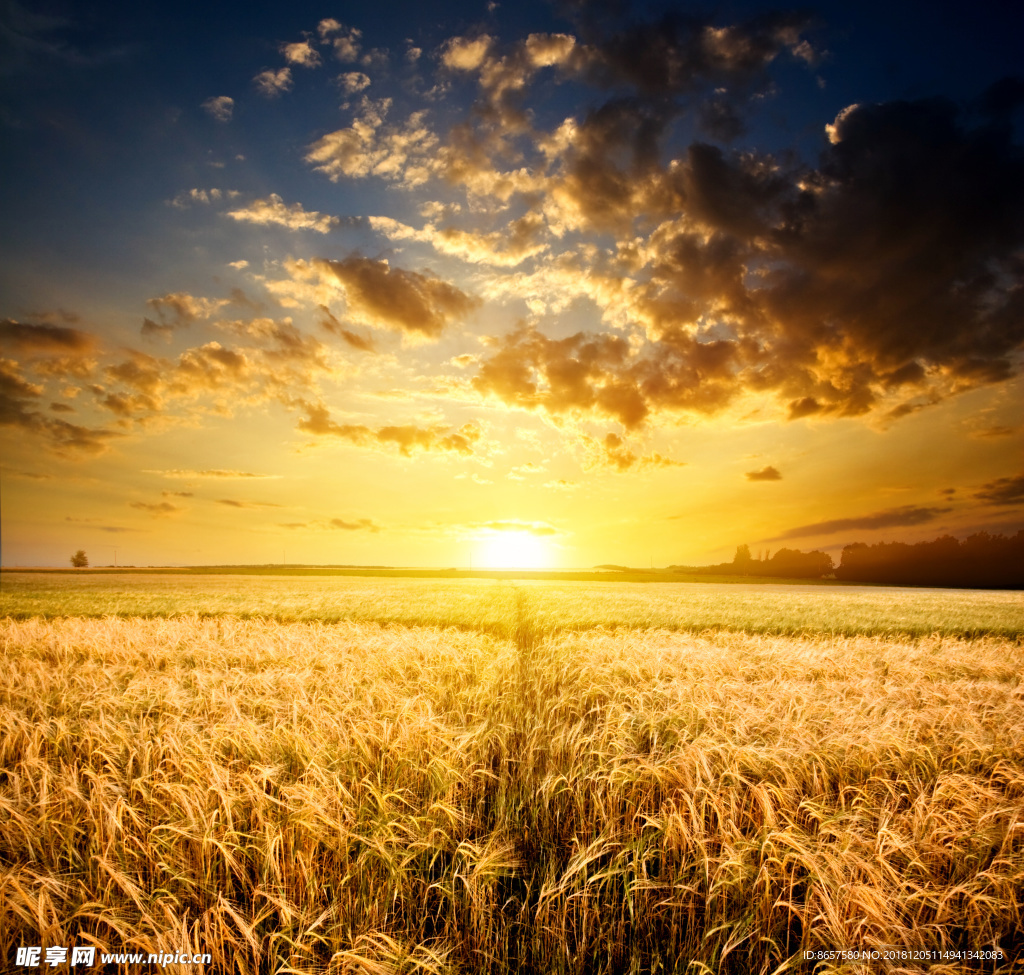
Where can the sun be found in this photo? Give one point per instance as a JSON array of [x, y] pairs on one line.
[[514, 550]]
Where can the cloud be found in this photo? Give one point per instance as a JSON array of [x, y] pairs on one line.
[[547, 50], [44, 339], [1003, 490], [232, 503], [14, 388], [573, 375], [507, 247], [117, 529], [406, 438], [344, 41], [993, 432], [891, 266], [288, 344], [273, 210], [765, 474], [186, 198], [276, 362], [603, 376], [159, 509], [211, 367], [191, 475], [402, 153], [532, 527], [220, 107], [466, 54], [301, 53], [678, 55], [381, 296], [334, 524], [29, 475], [363, 524], [18, 396], [893, 518], [178, 310], [613, 453], [272, 83], [353, 82], [356, 341]]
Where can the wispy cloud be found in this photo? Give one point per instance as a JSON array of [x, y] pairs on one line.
[[902, 517], [191, 475], [273, 210], [220, 107], [159, 508], [271, 83], [406, 437], [1002, 490]]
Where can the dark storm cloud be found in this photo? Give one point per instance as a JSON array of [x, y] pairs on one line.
[[893, 518], [893, 268], [902, 251], [678, 54]]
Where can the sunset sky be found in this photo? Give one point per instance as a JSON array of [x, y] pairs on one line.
[[509, 283]]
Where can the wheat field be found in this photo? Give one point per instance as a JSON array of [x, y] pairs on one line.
[[367, 797]]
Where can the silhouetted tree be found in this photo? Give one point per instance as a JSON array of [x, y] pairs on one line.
[[979, 561], [786, 562], [80, 560], [793, 564]]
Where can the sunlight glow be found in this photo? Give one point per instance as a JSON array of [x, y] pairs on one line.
[[514, 550]]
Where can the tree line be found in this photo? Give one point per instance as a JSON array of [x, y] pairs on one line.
[[980, 561]]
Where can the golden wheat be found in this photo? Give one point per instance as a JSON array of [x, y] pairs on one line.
[[378, 799], [481, 604]]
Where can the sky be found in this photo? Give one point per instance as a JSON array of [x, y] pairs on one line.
[[494, 284]]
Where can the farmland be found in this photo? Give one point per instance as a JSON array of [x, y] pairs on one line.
[[390, 776]]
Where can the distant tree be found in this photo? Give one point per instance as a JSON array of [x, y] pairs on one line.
[[795, 564], [742, 556], [980, 561], [80, 560], [742, 563]]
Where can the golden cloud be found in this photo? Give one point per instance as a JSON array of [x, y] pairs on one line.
[[381, 296], [273, 210], [407, 438]]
